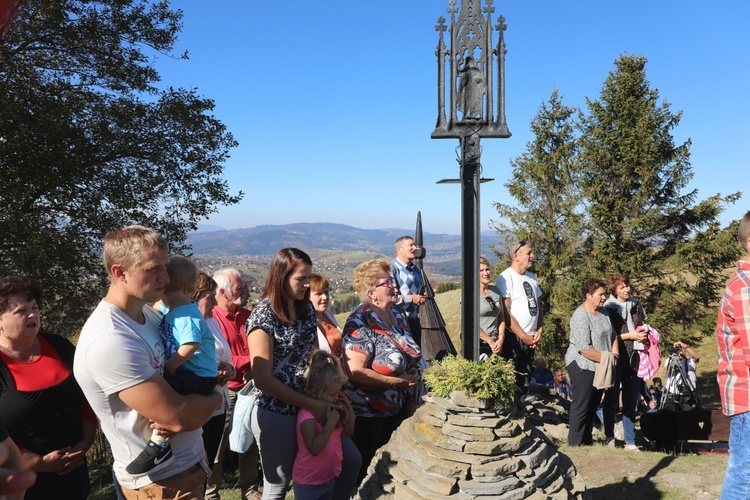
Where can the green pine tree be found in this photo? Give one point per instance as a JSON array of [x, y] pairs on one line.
[[603, 193], [548, 213], [642, 223]]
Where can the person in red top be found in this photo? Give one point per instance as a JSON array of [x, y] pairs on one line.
[[733, 337], [232, 317], [41, 404]]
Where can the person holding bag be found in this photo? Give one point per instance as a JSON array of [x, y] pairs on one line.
[[627, 316], [593, 342]]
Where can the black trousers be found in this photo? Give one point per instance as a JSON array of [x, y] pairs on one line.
[[371, 433], [522, 357], [415, 328], [586, 399], [186, 382]]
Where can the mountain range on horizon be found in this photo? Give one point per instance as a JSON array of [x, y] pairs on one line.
[[268, 239]]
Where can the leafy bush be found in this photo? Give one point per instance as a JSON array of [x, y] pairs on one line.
[[494, 379]]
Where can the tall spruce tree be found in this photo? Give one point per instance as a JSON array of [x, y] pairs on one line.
[[89, 143], [641, 221], [603, 194], [548, 213]]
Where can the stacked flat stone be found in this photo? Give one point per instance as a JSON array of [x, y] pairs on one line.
[[461, 448], [548, 413]]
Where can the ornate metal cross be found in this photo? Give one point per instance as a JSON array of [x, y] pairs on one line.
[[476, 108]]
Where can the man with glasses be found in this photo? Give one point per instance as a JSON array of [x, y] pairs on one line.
[[409, 283], [521, 293]]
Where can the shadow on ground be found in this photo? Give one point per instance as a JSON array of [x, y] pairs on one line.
[[643, 487]]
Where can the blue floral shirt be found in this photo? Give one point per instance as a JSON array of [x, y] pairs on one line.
[[367, 334]]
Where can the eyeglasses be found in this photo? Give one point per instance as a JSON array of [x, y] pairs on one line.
[[520, 244], [493, 305], [389, 282]]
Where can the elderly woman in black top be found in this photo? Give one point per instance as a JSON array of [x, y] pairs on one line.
[[591, 335], [40, 402]]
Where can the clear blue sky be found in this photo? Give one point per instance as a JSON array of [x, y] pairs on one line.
[[333, 102]]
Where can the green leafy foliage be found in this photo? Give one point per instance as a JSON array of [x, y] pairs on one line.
[[548, 214], [89, 143], [603, 193], [494, 379]]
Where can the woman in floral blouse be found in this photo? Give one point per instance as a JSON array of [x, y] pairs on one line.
[[281, 332], [382, 359]]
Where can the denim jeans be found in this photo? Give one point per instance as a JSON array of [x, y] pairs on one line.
[[737, 480], [630, 388]]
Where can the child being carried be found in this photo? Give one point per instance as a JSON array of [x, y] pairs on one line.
[[189, 349]]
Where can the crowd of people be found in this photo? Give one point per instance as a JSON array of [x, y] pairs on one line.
[[160, 361], [611, 354]]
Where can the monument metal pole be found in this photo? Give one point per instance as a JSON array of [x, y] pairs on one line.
[[470, 245], [475, 109]]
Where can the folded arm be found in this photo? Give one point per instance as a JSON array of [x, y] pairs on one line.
[[155, 399]]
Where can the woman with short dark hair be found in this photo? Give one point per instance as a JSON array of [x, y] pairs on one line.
[[591, 335], [41, 404]]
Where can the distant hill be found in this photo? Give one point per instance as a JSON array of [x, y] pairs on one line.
[[202, 228], [268, 239], [443, 250]]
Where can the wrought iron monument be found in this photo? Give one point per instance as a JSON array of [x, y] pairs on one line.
[[471, 75]]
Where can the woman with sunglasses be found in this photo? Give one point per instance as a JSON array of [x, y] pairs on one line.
[[491, 314], [382, 360]]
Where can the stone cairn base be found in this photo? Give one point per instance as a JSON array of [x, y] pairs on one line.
[[461, 448]]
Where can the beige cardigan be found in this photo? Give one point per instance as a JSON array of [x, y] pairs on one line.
[[604, 376]]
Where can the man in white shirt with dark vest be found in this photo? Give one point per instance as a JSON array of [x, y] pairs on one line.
[[521, 293]]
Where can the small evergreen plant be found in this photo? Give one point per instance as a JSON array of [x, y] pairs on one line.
[[493, 379]]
